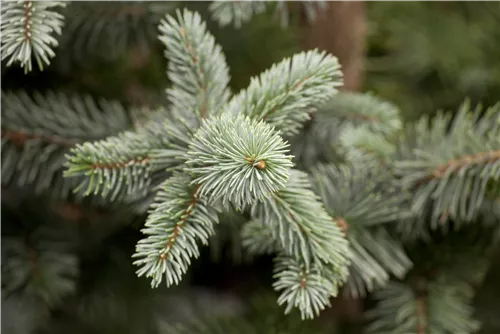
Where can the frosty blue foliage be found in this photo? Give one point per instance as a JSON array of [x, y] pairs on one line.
[[27, 32], [238, 160]]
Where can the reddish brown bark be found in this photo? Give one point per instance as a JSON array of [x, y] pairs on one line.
[[340, 29]]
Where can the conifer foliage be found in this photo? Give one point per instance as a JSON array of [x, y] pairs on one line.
[[27, 31], [241, 12], [334, 185], [237, 158]]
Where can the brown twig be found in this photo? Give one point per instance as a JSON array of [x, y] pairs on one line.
[[115, 165], [297, 85], [194, 58], [303, 279], [421, 292], [27, 14], [472, 159], [19, 138], [421, 315], [361, 117], [342, 224], [175, 233]]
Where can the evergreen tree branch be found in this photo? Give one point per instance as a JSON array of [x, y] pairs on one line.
[[308, 288], [313, 256], [109, 29], [260, 314], [476, 159], [286, 94], [40, 267], [362, 109], [179, 129], [360, 197], [20, 139], [437, 296], [257, 238], [300, 225], [236, 12], [361, 144], [27, 28], [197, 67], [310, 9], [129, 159], [440, 307], [241, 12], [179, 218], [38, 130], [376, 256], [350, 126], [59, 118], [238, 160], [451, 164]]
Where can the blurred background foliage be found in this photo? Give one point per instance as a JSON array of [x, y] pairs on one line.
[[426, 56], [422, 56]]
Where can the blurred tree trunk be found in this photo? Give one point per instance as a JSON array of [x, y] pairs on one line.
[[340, 29]]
